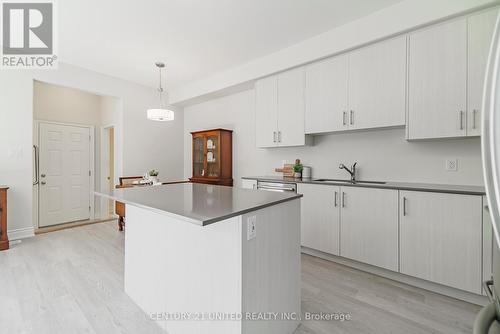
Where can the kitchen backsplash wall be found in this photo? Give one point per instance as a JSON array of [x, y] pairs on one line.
[[381, 154]]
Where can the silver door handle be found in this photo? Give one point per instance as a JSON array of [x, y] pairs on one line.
[[344, 114], [404, 206], [474, 112], [461, 115], [343, 199], [335, 200], [35, 151], [351, 117], [279, 136]]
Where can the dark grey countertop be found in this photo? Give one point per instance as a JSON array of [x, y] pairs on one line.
[[200, 204], [443, 188]]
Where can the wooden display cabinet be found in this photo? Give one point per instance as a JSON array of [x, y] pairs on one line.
[[4, 240], [213, 157]]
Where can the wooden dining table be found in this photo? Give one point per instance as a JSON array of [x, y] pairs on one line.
[[120, 207]]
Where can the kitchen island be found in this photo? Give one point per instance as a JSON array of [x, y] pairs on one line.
[[213, 259]]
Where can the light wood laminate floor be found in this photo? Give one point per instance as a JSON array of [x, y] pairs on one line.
[[71, 281]]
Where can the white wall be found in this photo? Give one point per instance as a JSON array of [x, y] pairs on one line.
[[66, 105], [141, 137], [381, 154]]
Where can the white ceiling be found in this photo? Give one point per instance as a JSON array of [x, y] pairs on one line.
[[195, 38]]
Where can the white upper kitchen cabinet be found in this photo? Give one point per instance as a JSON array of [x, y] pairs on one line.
[[441, 238], [320, 217], [280, 106], [437, 81], [369, 226], [480, 30], [291, 107], [326, 95], [266, 112], [377, 89]]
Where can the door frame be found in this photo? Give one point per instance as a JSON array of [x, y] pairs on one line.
[[36, 141], [105, 144]]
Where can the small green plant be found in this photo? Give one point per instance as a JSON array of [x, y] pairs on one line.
[[297, 168], [153, 172]]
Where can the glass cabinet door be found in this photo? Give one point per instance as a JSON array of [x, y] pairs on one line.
[[213, 156], [198, 157]]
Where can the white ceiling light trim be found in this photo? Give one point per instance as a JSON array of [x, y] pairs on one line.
[[160, 114]]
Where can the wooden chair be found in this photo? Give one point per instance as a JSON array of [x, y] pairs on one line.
[[125, 182]]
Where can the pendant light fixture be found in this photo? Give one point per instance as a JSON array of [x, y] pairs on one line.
[[160, 114]]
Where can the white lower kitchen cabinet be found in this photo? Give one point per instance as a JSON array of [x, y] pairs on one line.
[[441, 238], [320, 217], [369, 226]]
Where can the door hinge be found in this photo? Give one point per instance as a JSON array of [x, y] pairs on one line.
[[90, 173], [90, 208]]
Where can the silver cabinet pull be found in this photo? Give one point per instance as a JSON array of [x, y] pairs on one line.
[[274, 136], [351, 117], [279, 136], [335, 201], [474, 112], [344, 114], [343, 199], [404, 206], [461, 115]]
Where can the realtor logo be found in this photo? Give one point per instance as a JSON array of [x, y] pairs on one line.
[[28, 34]]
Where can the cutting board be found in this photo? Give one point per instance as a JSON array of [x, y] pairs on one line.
[[287, 170]]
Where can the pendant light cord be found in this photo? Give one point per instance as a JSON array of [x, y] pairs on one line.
[[160, 90]]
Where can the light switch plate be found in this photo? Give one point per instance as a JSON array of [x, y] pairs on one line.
[[452, 165], [251, 227]]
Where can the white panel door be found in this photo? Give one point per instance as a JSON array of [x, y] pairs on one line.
[[480, 33], [266, 112], [441, 238], [377, 90], [369, 226], [320, 213], [326, 95], [437, 81], [64, 174], [291, 108]]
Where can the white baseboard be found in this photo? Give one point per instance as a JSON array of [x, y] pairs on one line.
[[21, 233], [417, 282]]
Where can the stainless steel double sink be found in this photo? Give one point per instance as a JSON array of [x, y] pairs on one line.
[[347, 181]]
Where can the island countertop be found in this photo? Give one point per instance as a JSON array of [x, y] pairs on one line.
[[196, 203]]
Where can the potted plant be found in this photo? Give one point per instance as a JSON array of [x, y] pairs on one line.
[[153, 176], [297, 169]]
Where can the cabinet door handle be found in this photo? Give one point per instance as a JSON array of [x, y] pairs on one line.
[[274, 136], [404, 206], [344, 114], [343, 199], [351, 117], [461, 115], [279, 136], [474, 112], [336, 199]]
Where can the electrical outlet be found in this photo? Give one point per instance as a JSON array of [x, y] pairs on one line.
[[251, 228], [452, 165]]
